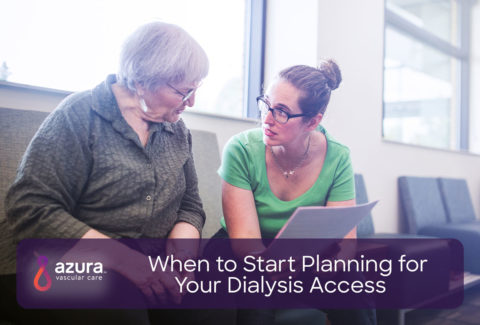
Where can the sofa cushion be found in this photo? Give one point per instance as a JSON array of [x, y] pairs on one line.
[[467, 233], [17, 127], [421, 202], [206, 155], [456, 198]]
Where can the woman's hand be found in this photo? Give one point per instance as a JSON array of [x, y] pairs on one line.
[[133, 265], [183, 243], [158, 287]]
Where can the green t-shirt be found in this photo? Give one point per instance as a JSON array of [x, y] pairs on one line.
[[243, 165]]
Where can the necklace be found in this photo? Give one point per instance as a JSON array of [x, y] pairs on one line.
[[292, 171]]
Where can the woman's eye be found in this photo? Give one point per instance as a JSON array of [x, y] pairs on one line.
[[281, 113]]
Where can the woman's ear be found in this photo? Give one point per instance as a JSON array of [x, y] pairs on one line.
[[314, 122], [140, 89]]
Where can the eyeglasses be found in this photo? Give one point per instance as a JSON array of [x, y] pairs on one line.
[[185, 96], [279, 115]]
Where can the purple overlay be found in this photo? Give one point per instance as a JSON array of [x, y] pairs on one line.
[[296, 273]]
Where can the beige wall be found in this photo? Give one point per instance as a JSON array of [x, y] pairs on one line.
[[353, 35], [32, 98], [351, 32]]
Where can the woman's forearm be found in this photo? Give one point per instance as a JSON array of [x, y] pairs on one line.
[[184, 230], [94, 234]]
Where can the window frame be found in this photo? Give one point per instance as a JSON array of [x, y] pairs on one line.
[[255, 60], [254, 64], [460, 52]]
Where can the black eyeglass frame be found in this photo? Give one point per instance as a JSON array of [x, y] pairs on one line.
[[185, 96], [275, 110]]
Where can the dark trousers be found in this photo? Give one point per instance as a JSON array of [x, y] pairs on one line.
[[13, 313], [267, 316]]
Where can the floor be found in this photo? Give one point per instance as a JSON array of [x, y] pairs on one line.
[[467, 314]]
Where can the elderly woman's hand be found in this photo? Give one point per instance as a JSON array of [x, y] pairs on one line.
[[158, 287]]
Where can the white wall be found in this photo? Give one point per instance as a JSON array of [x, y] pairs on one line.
[[224, 127], [351, 32]]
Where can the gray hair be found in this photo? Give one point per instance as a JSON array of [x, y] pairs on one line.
[[159, 53], [316, 85]]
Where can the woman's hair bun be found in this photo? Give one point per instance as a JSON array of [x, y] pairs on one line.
[[315, 83], [332, 73]]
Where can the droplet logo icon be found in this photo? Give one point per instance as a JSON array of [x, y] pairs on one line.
[[42, 262]]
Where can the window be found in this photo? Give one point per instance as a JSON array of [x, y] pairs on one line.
[[426, 73], [73, 45]]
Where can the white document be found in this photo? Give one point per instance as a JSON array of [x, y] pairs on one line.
[[316, 222], [324, 222]]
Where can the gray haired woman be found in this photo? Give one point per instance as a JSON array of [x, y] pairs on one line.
[[116, 161]]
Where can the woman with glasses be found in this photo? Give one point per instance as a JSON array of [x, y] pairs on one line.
[[291, 161], [116, 161]]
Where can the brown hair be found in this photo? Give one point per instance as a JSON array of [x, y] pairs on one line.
[[316, 84]]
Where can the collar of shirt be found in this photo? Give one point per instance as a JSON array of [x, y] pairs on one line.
[[104, 104]]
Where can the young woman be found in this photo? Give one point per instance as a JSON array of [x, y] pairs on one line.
[[291, 161]]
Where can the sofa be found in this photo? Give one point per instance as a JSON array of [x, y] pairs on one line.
[[441, 207], [412, 244], [17, 127]]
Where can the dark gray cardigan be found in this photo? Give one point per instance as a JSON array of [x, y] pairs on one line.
[[86, 168]]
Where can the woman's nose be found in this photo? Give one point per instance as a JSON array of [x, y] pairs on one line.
[[268, 119], [190, 101]]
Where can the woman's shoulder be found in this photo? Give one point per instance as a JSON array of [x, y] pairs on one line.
[[72, 111], [251, 137], [333, 144], [249, 141], [74, 102]]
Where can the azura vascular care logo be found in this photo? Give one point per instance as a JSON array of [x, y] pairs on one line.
[[66, 271], [42, 262]]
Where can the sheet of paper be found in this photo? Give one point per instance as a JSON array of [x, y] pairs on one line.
[[324, 222], [316, 223]]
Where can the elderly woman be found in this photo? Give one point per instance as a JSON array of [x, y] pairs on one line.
[[291, 161], [116, 161]]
